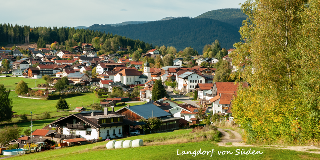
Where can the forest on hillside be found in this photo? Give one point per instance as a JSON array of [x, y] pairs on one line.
[[66, 37], [178, 32]]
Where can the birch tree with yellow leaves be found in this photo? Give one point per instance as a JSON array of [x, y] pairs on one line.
[[279, 56]]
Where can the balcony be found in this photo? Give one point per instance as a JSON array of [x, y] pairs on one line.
[[225, 108], [77, 126]]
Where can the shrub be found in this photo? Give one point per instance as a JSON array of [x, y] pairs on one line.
[[46, 115], [23, 118]]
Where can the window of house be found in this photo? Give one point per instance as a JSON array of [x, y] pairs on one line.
[[111, 120], [119, 131], [200, 81], [88, 133], [104, 121], [107, 132], [114, 131]]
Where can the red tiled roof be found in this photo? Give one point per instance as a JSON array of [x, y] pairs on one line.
[[130, 72], [123, 60], [173, 70], [215, 98], [25, 138], [106, 81], [205, 86], [136, 62], [152, 50], [64, 61], [227, 87], [193, 119], [225, 98], [40, 132]]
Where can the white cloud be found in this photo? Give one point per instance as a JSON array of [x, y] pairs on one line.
[[82, 12]]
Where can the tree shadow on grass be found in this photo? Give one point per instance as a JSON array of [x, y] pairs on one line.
[[57, 96]]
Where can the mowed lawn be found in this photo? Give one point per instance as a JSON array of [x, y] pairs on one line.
[[11, 82], [25, 106]]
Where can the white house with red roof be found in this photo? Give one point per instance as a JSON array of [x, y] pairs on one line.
[[130, 77], [153, 51], [105, 83], [204, 91], [187, 80], [223, 93]]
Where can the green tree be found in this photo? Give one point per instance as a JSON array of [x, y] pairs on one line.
[[9, 133], [62, 104], [48, 79], [5, 65], [61, 84], [22, 88], [41, 43], [158, 90], [195, 95], [158, 62], [168, 60], [223, 72], [154, 123], [277, 58], [5, 104], [94, 72], [136, 56]]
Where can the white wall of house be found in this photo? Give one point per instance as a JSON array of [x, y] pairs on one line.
[[99, 69], [60, 54], [187, 117], [177, 62], [216, 107], [92, 133], [17, 72], [24, 66], [116, 129], [193, 80]]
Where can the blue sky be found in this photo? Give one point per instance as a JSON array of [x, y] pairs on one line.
[[74, 13]]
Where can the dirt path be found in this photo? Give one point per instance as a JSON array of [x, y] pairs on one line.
[[228, 141]]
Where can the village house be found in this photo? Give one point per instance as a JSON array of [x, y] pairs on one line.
[[136, 64], [187, 80], [149, 110], [60, 62], [130, 77], [91, 125], [17, 53], [20, 64], [223, 93], [102, 67], [105, 83], [78, 77], [177, 62]]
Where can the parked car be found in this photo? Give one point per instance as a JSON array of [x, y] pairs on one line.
[[135, 132]]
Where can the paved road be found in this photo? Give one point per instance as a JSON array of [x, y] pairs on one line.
[[182, 98]]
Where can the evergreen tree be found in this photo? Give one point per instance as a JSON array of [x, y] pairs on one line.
[[62, 104], [22, 88], [279, 59], [158, 90], [5, 104]]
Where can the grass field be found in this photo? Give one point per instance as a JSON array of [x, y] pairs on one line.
[[10, 82], [172, 151]]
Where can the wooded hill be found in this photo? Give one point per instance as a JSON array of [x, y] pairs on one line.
[[185, 32]]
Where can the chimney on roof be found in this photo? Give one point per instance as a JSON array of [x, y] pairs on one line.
[[105, 111], [92, 113], [128, 106], [112, 109]]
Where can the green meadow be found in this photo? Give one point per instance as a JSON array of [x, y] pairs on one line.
[[190, 150]]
